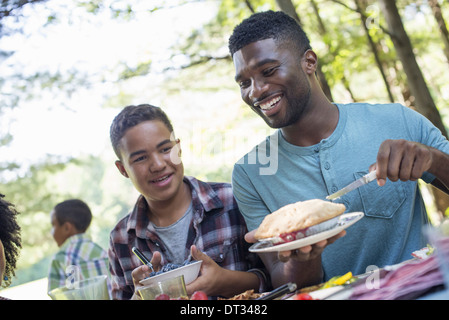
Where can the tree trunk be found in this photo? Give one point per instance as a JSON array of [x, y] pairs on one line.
[[288, 7], [418, 87], [436, 9], [373, 47]]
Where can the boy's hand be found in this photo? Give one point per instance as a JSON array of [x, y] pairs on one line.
[[208, 280], [143, 272]]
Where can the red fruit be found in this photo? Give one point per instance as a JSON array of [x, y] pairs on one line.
[[198, 295], [163, 296], [303, 296]]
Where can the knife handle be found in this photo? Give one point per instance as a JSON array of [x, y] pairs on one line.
[[370, 176]]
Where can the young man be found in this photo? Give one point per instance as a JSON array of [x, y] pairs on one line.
[[176, 218], [321, 147], [78, 257]]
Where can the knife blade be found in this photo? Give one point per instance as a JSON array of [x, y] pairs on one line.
[[354, 185]]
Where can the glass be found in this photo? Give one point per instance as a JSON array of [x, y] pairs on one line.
[[172, 288], [439, 239], [95, 288]]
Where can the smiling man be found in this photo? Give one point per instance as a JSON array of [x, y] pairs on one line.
[[322, 147], [176, 218]]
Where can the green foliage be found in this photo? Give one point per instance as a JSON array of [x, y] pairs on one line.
[[130, 72], [40, 188]]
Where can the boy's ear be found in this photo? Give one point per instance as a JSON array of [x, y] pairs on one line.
[[175, 153], [178, 144], [69, 229], [121, 168]]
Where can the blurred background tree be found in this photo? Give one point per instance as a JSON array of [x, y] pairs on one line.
[[182, 64]]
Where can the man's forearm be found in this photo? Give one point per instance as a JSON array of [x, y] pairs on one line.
[[440, 169]]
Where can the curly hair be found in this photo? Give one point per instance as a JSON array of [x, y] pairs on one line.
[[130, 117], [10, 237], [275, 25]]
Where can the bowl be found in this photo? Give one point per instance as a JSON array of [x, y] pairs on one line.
[[189, 271]]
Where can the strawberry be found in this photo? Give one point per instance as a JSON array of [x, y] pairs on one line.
[[163, 296], [198, 295], [303, 296]]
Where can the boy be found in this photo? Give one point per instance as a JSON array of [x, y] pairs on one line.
[[78, 257], [176, 218]]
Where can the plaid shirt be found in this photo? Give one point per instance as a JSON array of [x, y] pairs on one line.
[[217, 229], [87, 257]]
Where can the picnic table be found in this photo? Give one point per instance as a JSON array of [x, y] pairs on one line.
[[418, 278]]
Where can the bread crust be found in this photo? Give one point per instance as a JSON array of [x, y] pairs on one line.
[[298, 216]]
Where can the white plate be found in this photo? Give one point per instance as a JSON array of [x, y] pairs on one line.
[[345, 221], [189, 271]]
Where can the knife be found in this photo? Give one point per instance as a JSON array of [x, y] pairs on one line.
[[354, 185], [276, 293]]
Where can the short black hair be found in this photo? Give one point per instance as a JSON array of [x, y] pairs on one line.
[[130, 117], [74, 211], [10, 237], [276, 25]]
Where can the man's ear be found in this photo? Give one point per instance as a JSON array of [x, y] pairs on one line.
[[121, 168], [310, 61]]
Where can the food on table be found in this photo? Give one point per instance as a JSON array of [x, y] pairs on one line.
[[199, 295], [339, 280], [163, 296], [302, 296], [247, 295], [334, 281], [170, 267], [423, 252], [293, 219]]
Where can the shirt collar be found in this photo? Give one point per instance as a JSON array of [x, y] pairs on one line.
[[75, 238], [203, 195]]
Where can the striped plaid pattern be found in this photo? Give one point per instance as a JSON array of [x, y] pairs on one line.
[[78, 258], [217, 228]]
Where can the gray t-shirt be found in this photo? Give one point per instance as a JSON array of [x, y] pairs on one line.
[[175, 237]]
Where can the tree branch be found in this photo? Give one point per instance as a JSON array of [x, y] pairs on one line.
[[363, 14]]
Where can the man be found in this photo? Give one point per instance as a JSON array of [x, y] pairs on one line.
[[321, 147], [78, 258], [176, 219]]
